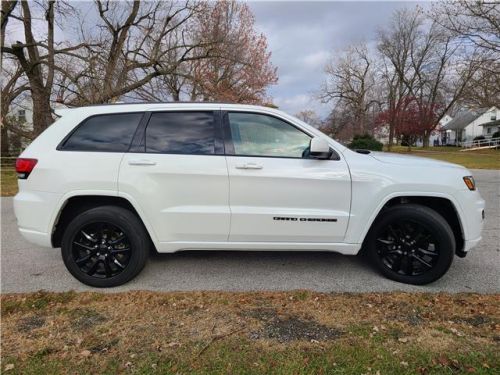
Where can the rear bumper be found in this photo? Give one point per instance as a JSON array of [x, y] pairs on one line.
[[37, 238], [34, 212]]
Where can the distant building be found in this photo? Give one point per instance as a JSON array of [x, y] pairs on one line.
[[469, 124], [22, 112], [381, 133], [491, 128]]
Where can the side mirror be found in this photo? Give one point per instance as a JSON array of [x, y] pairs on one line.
[[319, 148]]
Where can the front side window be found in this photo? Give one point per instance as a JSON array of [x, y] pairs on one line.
[[105, 133], [181, 133], [261, 135]]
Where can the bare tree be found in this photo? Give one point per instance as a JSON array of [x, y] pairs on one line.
[[483, 89], [478, 22], [477, 25], [350, 84], [14, 85], [133, 44], [309, 117], [7, 9], [433, 67], [237, 67], [37, 55]]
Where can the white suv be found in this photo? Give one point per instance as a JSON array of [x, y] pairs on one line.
[[107, 183]]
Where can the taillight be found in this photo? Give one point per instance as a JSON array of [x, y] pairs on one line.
[[24, 167]]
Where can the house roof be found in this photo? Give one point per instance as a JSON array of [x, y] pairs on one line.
[[464, 118], [491, 123]]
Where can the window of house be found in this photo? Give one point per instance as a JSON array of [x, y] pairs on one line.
[[21, 115]]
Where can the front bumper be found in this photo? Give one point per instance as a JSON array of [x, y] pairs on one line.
[[472, 219]]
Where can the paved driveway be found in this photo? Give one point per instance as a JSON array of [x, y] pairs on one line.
[[29, 268]]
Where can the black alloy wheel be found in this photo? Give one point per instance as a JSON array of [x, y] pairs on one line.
[[408, 248], [105, 246], [101, 250], [411, 243]]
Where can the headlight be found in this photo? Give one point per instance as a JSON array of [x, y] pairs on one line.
[[469, 181]]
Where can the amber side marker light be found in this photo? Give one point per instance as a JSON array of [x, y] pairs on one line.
[[469, 181]]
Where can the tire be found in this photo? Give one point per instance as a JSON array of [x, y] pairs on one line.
[[118, 260], [406, 239]]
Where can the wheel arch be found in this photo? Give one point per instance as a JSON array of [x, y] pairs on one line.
[[76, 204], [441, 204]]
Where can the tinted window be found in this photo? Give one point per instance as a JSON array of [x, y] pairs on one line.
[[104, 133], [181, 133], [262, 135]]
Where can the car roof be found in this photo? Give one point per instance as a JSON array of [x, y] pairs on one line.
[[154, 106]]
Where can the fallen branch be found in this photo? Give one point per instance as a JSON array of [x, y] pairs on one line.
[[218, 337]]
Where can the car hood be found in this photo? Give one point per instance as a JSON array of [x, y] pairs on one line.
[[410, 160]]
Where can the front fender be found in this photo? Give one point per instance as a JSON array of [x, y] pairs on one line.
[[362, 220]]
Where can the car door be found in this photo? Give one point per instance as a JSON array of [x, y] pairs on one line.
[[277, 192], [176, 172]]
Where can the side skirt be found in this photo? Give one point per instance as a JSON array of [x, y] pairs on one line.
[[342, 248]]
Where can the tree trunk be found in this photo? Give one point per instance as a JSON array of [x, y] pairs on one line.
[[426, 139], [5, 141], [42, 112], [391, 137]]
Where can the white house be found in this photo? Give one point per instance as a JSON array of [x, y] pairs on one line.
[[381, 133], [436, 139], [22, 111], [469, 124], [491, 128]]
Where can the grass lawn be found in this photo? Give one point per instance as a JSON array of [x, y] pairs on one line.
[[296, 332], [9, 182], [479, 159]]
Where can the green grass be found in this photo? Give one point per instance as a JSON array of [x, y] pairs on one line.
[[478, 159], [241, 357], [225, 333], [9, 182]]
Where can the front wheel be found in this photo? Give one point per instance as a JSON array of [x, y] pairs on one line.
[[105, 246], [411, 244]]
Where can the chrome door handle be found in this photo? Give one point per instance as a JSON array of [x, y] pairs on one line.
[[249, 166], [141, 162]]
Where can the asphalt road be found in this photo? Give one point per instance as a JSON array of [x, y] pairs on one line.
[[26, 267]]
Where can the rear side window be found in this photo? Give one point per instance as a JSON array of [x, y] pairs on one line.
[[106, 133], [181, 133]]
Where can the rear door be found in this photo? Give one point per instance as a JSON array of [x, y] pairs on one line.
[[177, 174], [278, 193]]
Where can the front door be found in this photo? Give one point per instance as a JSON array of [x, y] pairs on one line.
[[277, 192]]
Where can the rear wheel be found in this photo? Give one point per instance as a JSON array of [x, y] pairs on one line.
[[412, 244], [105, 246]]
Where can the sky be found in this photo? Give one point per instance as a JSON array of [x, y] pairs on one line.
[[303, 35]]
